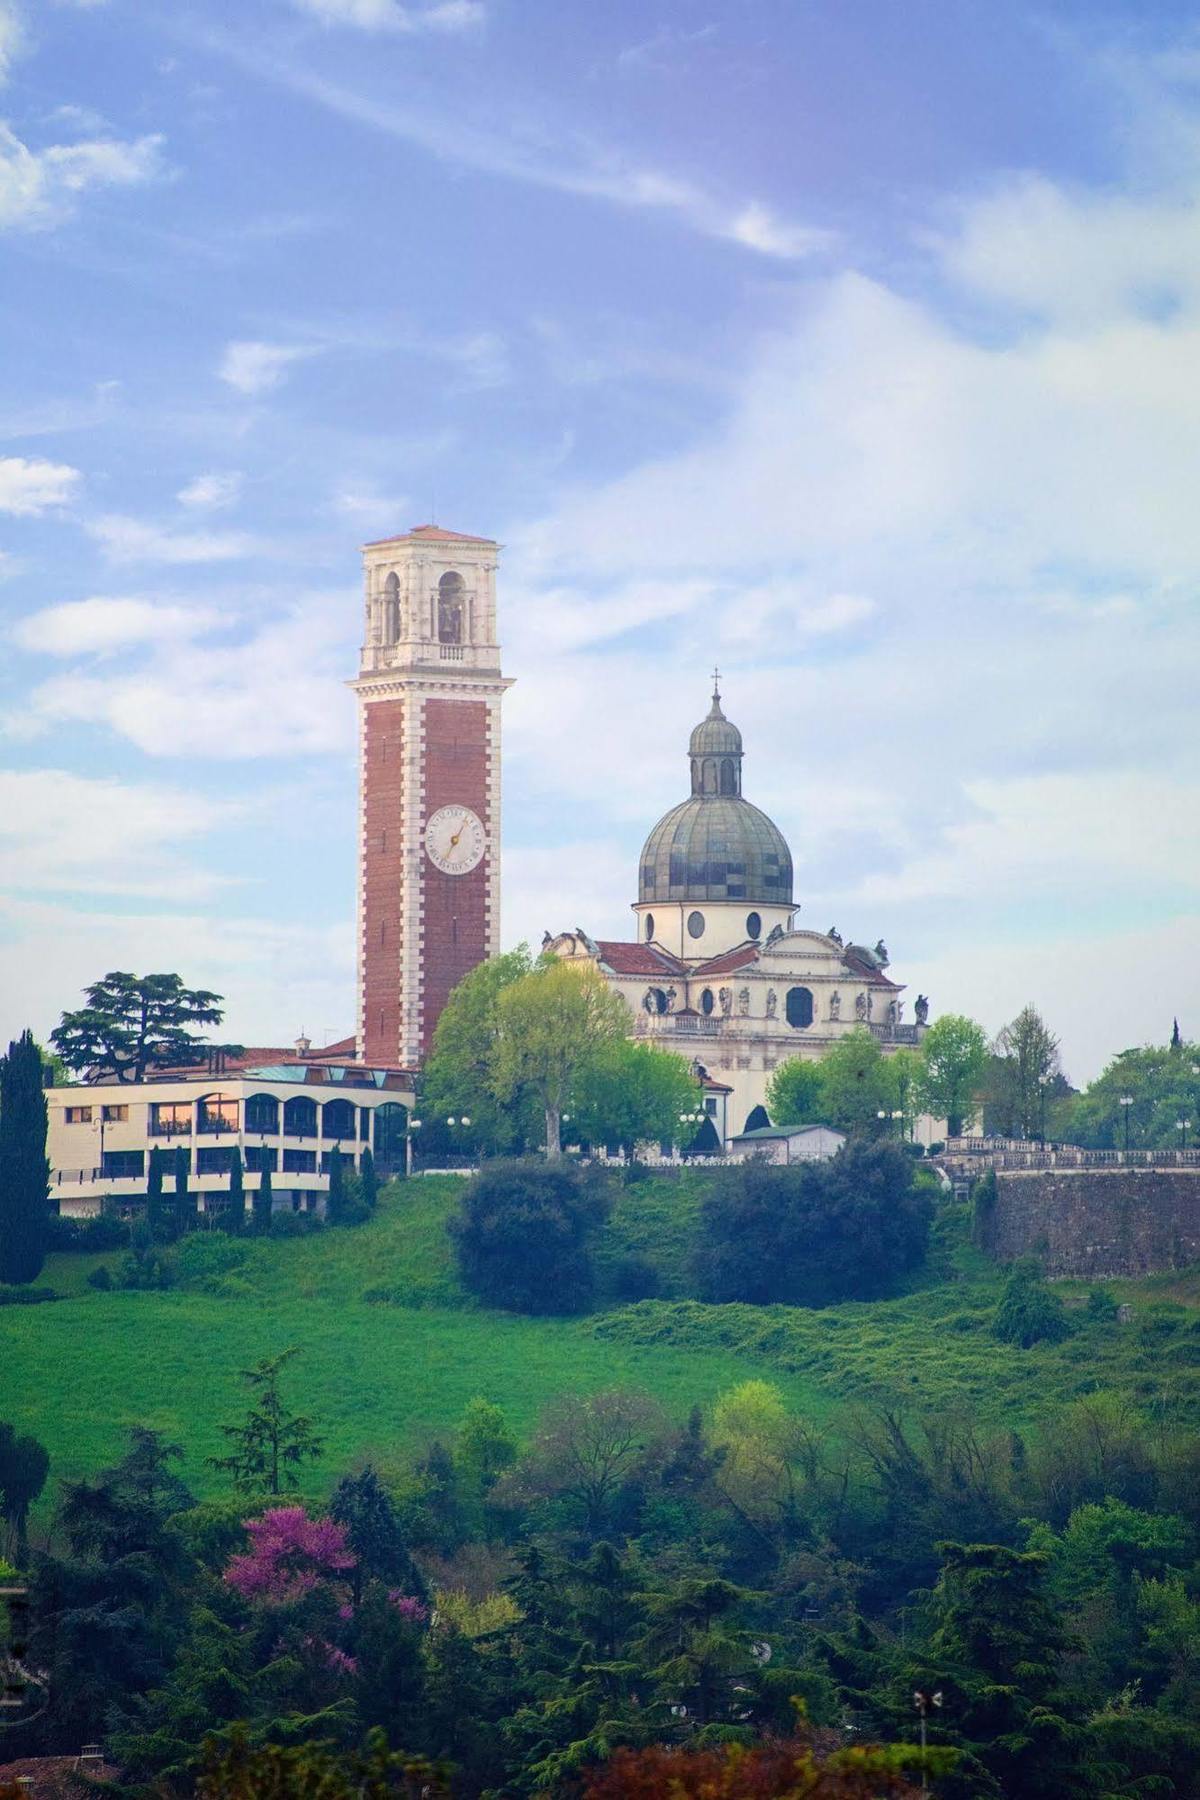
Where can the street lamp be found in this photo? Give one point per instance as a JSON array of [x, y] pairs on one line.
[[1126, 1101], [925, 1703], [411, 1126], [889, 1117], [1182, 1126], [695, 1119]]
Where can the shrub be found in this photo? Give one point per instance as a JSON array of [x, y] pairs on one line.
[[1101, 1307], [814, 1233], [1029, 1312], [293, 1224], [634, 1278], [204, 1257], [26, 1296], [147, 1265], [100, 1279], [90, 1235], [525, 1234]]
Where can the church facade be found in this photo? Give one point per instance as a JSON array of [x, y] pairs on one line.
[[718, 971]]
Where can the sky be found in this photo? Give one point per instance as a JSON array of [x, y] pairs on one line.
[[853, 348]]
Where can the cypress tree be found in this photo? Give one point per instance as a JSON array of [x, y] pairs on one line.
[[335, 1203], [185, 1202], [235, 1212], [368, 1179], [156, 1217], [262, 1200], [24, 1170]]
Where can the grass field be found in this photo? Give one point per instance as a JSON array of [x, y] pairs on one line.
[[392, 1349]]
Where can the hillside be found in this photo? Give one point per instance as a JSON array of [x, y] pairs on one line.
[[392, 1349]]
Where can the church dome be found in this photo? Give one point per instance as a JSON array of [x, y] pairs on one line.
[[715, 845]]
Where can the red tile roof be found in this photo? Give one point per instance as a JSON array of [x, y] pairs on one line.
[[725, 964], [866, 971], [636, 959], [429, 533]]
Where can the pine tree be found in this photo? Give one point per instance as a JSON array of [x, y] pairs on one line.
[[1176, 1038], [156, 1214], [235, 1212], [262, 1199], [270, 1441], [185, 1201], [335, 1203], [24, 1170], [368, 1179]]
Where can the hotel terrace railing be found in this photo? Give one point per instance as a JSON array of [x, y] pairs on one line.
[[993, 1153]]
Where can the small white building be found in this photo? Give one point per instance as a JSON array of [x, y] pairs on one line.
[[287, 1116], [789, 1143]]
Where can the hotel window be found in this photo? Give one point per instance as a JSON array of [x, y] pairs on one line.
[[123, 1165], [258, 1158], [262, 1113], [218, 1113], [299, 1162], [170, 1118], [77, 1115], [114, 1115], [213, 1161]]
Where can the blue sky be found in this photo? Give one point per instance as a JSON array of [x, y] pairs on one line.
[[855, 348]]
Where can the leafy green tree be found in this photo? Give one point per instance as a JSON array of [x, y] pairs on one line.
[[24, 1170], [457, 1079], [484, 1447], [810, 1234], [697, 1646], [1024, 1063], [234, 1217], [262, 1203], [795, 1092], [550, 1026], [134, 1023], [364, 1507], [368, 1180], [904, 1069], [855, 1085], [271, 1441], [631, 1093], [1030, 1312], [954, 1054], [186, 1211], [24, 1466], [525, 1234], [1163, 1081], [585, 1449]]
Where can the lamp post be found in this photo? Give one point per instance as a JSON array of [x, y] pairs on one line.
[[410, 1126], [889, 1119], [1182, 1126], [1126, 1102], [695, 1119], [460, 1123], [925, 1703]]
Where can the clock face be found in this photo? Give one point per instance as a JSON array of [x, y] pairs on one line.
[[455, 840]]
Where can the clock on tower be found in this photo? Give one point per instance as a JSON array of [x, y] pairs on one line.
[[429, 689]]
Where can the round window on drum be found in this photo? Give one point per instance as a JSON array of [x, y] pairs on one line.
[[649, 928], [695, 924], [753, 925]]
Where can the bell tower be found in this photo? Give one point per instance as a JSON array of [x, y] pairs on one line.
[[429, 689]]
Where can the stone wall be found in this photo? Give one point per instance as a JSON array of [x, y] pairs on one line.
[[1093, 1221]]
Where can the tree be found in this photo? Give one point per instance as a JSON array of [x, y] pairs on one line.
[[855, 1087], [335, 1203], [784, 1769], [1163, 1083], [585, 1449], [270, 1441], [368, 1180], [263, 1202], [549, 1027], [289, 1555], [234, 1220], [457, 1079], [1030, 1312], [1024, 1062], [525, 1233], [954, 1054], [361, 1504], [133, 1023], [156, 1213], [185, 1200], [811, 1234], [630, 1093], [24, 1466], [24, 1170], [795, 1094], [484, 1447]]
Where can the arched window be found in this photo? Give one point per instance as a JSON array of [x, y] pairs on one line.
[[710, 775], [757, 1119], [707, 1002], [799, 1007], [728, 785], [753, 925], [391, 609], [262, 1114], [337, 1119], [658, 1000], [452, 601], [300, 1117], [649, 928]]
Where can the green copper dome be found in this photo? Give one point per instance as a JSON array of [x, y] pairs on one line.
[[716, 846]]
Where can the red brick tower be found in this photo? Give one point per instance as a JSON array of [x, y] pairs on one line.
[[429, 690]]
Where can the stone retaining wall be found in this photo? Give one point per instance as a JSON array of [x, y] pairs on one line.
[[1094, 1221]]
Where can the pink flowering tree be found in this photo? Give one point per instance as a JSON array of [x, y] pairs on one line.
[[290, 1556]]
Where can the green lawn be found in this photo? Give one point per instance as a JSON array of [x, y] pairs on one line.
[[380, 1373]]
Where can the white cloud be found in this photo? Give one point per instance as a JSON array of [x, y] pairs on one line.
[[208, 492], [759, 228], [104, 624], [39, 188], [30, 485], [389, 15], [125, 540], [65, 832], [254, 368], [11, 37]]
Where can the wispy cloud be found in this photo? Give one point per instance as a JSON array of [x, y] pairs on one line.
[[11, 37], [254, 367], [389, 15], [107, 623], [30, 485], [126, 540], [40, 188], [207, 493], [565, 163]]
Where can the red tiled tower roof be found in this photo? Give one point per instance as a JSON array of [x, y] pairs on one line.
[[431, 533]]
